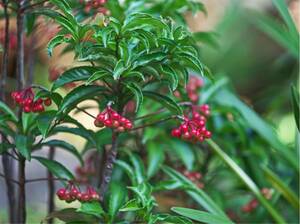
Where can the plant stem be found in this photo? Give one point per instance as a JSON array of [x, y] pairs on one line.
[[153, 123], [51, 186], [21, 213], [22, 192], [109, 165]]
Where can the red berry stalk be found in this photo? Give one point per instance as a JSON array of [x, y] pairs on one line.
[[111, 119]]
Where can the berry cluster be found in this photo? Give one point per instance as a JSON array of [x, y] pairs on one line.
[[96, 5], [72, 193], [195, 177], [192, 88], [25, 98], [252, 205], [193, 129], [88, 170], [111, 119]]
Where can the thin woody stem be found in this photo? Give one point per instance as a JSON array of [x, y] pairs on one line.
[[9, 179], [51, 186], [154, 123], [45, 179], [84, 111]]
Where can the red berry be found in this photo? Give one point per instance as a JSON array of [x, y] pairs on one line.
[[207, 134], [123, 120], [115, 116], [40, 108], [74, 191], [85, 197], [176, 133], [98, 123], [47, 102], [18, 97], [120, 129], [184, 127], [61, 193], [28, 101], [101, 117], [79, 196], [128, 125], [27, 109], [115, 124], [108, 123]]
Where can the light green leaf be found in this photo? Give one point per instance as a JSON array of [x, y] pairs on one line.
[[116, 199], [7, 110], [91, 208], [97, 76], [200, 216], [155, 158], [23, 145]]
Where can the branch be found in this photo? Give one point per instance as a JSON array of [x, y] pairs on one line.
[[45, 179], [9, 179], [84, 111], [153, 123]]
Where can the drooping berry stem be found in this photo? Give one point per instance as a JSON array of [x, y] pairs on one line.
[[109, 165]]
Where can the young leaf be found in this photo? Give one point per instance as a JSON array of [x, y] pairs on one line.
[[55, 41], [97, 76], [200, 216], [131, 206]]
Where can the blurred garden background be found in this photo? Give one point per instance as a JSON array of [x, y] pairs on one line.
[[258, 65]]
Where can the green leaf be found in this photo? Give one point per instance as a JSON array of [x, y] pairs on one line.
[[74, 74], [65, 145], [4, 108], [131, 206], [172, 76], [166, 101], [91, 208], [139, 169], [28, 120], [155, 158], [97, 76], [228, 99], [119, 69], [55, 41], [197, 194], [77, 95], [71, 215], [44, 121], [296, 105], [280, 186], [116, 199], [137, 91], [4, 147], [184, 152], [128, 169], [23, 145], [149, 58], [200, 216], [246, 180], [56, 168]]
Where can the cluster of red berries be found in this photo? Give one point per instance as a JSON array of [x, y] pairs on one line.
[[97, 5], [252, 205], [193, 129], [88, 170], [25, 98], [195, 177], [192, 88], [72, 193], [111, 119]]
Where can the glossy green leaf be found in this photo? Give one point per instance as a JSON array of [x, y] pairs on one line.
[[131, 206], [246, 180], [91, 208], [44, 121], [72, 215], [184, 153], [65, 145], [116, 199], [74, 74], [78, 95], [55, 41], [56, 168], [97, 76], [23, 145], [137, 91], [200, 216], [139, 169], [166, 101], [128, 169]]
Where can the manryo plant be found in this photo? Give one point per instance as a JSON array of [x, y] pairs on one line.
[[154, 104]]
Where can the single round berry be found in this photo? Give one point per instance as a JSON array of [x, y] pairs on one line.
[[27, 109], [61, 193], [115, 124], [98, 123], [128, 125], [47, 102]]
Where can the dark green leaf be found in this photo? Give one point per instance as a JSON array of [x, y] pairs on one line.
[[296, 105], [91, 208], [4, 108], [23, 145], [155, 158], [136, 90], [116, 199], [55, 41]]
